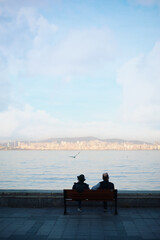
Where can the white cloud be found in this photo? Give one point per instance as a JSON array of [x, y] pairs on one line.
[[19, 33], [24, 31], [26, 123], [31, 46], [5, 87], [139, 78], [32, 124], [40, 30], [43, 49], [5, 93], [81, 52]]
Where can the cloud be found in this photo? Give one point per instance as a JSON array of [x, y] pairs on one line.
[[26, 123], [20, 33], [31, 46], [5, 93], [5, 87], [83, 51], [43, 49], [31, 124], [139, 78], [24, 31]]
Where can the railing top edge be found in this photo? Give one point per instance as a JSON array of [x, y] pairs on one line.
[[61, 191]]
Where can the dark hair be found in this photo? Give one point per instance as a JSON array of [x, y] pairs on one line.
[[105, 176], [81, 178]]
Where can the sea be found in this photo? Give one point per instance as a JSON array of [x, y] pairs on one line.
[[56, 170]]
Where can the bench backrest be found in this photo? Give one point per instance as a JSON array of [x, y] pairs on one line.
[[99, 195]]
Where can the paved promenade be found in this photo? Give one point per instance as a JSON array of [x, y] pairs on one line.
[[91, 223]]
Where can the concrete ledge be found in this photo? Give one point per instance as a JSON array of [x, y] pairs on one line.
[[54, 198]]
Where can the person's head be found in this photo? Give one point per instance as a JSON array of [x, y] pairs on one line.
[[105, 176], [81, 178]]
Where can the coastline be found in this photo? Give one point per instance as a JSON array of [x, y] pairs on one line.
[[88, 149]]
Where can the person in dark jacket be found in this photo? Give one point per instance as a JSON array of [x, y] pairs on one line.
[[80, 186], [105, 184]]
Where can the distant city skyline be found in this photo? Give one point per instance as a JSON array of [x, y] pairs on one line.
[[80, 68], [83, 143]]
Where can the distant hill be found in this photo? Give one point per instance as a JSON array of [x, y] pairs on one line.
[[89, 138], [73, 139]]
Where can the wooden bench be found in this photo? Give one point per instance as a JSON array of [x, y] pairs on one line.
[[90, 195]]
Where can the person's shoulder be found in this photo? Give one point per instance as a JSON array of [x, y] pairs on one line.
[[86, 185], [74, 185], [111, 184]]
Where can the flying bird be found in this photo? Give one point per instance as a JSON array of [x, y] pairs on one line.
[[75, 155]]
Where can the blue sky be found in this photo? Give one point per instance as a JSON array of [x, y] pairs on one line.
[[80, 68]]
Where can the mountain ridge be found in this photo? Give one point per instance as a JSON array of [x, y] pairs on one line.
[[90, 138]]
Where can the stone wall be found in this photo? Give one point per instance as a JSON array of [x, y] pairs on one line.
[[54, 198]]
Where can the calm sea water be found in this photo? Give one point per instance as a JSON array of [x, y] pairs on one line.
[[128, 170]]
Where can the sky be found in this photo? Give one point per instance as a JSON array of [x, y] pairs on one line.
[[80, 68]]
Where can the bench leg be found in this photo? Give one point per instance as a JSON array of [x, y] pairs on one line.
[[116, 207], [79, 204], [116, 213], [65, 207], [105, 205]]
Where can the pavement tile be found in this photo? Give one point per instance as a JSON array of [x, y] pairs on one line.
[[33, 237], [10, 228], [17, 237], [133, 233], [91, 224], [5, 223], [157, 235], [145, 213], [151, 222], [129, 226], [82, 237], [70, 229], [157, 221], [148, 235], [109, 225], [19, 213], [110, 233], [46, 228], [155, 213], [58, 228], [121, 233], [25, 227]]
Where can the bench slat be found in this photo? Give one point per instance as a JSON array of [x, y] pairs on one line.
[[90, 195]]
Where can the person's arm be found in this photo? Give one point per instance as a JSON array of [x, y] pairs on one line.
[[96, 186], [74, 186], [87, 186], [112, 186]]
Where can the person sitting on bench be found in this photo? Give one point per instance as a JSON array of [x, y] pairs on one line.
[[80, 186], [105, 184]]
